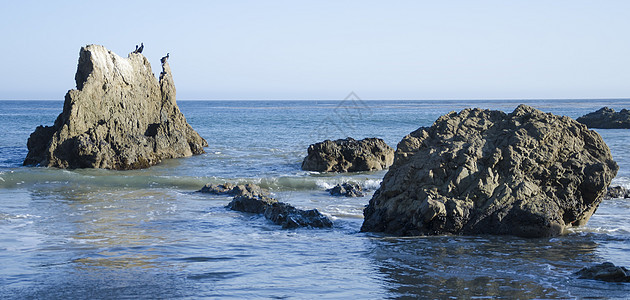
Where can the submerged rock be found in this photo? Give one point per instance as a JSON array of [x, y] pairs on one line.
[[347, 189], [234, 190], [291, 217], [119, 117], [617, 192], [252, 198], [526, 173], [606, 118], [606, 272], [251, 204], [218, 189], [348, 155]]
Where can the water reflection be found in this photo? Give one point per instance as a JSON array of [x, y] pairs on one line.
[[107, 228], [488, 266]]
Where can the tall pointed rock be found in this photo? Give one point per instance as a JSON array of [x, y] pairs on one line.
[[119, 117]]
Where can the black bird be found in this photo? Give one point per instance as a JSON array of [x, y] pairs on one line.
[[141, 48], [165, 58], [136, 51]]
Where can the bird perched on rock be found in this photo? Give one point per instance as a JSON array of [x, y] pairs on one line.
[[135, 51], [141, 48], [165, 58]]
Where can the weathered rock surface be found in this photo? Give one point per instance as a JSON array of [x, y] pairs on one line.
[[348, 155], [526, 173], [606, 118], [606, 272], [218, 189], [347, 189], [617, 192], [119, 117], [291, 217], [234, 190], [251, 204], [252, 198]]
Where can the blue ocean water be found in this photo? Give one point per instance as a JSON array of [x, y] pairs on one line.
[[148, 234]]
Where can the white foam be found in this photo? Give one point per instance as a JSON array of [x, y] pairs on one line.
[[372, 184], [622, 181], [323, 184]]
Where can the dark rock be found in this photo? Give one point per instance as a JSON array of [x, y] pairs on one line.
[[234, 190], [606, 118], [347, 189], [291, 217], [348, 155], [606, 272], [253, 199], [218, 189], [617, 192], [119, 117], [251, 204], [526, 173]]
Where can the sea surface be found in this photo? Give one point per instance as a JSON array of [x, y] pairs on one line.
[[93, 234]]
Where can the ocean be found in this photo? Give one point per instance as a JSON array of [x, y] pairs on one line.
[[97, 234]]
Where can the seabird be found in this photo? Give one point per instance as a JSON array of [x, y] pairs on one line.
[[141, 48], [165, 58], [136, 51]]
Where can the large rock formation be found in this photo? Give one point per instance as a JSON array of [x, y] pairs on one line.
[[119, 117], [526, 173], [348, 155], [606, 118]]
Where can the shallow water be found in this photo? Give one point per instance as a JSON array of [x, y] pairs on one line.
[[148, 234]]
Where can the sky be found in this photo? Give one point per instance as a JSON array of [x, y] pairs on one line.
[[236, 50]]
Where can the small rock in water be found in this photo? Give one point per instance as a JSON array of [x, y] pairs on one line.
[[234, 190], [217, 189], [617, 192], [606, 118], [606, 272], [251, 204], [348, 155], [291, 217], [347, 189], [252, 198]]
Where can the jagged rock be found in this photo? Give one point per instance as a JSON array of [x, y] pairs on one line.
[[606, 118], [278, 212], [251, 204], [119, 117], [234, 190], [218, 189], [606, 272], [347, 189], [252, 198], [616, 192], [526, 173], [291, 217], [348, 155]]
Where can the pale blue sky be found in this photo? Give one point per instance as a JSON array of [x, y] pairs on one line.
[[326, 49]]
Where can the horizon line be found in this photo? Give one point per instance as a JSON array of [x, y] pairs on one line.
[[448, 99]]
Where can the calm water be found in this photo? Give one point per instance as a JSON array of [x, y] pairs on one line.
[[148, 234]]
